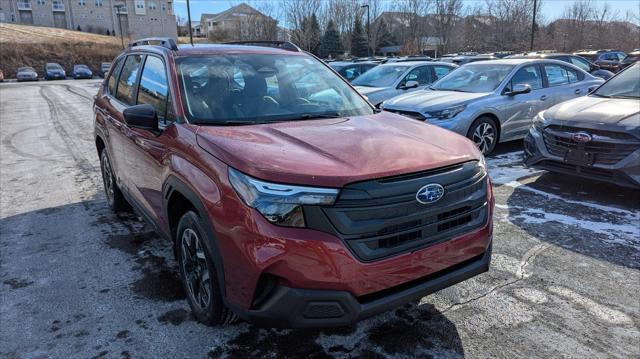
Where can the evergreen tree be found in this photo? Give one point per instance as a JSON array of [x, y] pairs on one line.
[[108, 32], [384, 36], [358, 39], [331, 44], [314, 35], [78, 28]]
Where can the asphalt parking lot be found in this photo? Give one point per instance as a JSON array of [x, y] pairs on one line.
[[79, 281]]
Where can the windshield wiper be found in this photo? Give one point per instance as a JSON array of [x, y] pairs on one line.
[[310, 116]]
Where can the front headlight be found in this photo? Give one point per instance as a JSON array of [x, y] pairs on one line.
[[446, 113], [482, 165], [539, 121], [280, 204]]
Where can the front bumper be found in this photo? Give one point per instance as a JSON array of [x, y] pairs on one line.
[[301, 308], [624, 173]]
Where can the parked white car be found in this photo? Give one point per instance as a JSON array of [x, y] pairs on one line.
[[392, 79]]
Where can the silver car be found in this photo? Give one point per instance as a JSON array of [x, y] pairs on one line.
[[495, 101], [26, 74], [392, 79]]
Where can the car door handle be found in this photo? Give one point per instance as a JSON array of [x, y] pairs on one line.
[[543, 97], [578, 91]]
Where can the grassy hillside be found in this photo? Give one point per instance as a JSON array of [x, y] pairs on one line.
[[23, 45]]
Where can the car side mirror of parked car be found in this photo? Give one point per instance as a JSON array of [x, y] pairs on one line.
[[591, 89], [409, 85], [595, 67], [142, 116], [519, 89]]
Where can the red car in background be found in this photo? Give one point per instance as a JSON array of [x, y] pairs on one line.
[[291, 201]]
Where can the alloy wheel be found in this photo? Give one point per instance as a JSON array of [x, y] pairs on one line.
[[195, 268], [484, 136]]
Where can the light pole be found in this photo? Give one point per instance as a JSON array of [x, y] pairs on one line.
[[533, 23], [118, 7], [189, 20], [368, 31]]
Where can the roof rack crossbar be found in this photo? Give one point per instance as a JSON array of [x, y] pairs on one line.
[[285, 45], [167, 42]]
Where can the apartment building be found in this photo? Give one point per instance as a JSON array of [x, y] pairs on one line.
[[133, 18]]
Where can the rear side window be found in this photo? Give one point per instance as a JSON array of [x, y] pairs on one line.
[[127, 80], [559, 75], [153, 88], [111, 83], [529, 75]]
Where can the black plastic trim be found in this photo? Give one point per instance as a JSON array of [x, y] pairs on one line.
[[286, 307]]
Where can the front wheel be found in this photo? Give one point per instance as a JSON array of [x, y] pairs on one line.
[[198, 273], [484, 133]]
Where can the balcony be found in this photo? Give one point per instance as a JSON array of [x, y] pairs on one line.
[[24, 5], [58, 6]]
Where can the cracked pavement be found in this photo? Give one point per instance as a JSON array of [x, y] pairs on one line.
[[77, 281]]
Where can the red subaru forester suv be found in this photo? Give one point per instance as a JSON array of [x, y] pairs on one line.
[[291, 201]]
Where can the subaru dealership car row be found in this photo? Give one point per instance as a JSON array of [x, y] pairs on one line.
[[494, 101], [597, 136], [392, 79], [283, 208]]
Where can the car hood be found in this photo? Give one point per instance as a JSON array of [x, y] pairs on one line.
[[82, 71], [335, 152], [432, 100], [593, 110]]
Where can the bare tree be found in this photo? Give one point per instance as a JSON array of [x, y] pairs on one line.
[[447, 15], [412, 13]]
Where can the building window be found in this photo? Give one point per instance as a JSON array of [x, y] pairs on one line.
[[41, 2], [140, 7], [98, 2], [152, 6], [82, 2]]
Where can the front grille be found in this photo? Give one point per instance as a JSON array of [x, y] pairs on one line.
[[380, 218], [607, 147], [411, 114]]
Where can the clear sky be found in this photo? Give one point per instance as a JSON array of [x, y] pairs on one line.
[[551, 9]]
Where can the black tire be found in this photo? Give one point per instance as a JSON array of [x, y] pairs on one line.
[[484, 133], [198, 272], [115, 199]]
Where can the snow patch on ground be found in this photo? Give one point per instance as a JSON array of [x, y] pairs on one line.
[[509, 167]]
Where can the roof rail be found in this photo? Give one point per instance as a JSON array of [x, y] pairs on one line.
[[285, 45], [167, 42]]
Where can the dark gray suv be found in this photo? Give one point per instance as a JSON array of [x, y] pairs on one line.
[[595, 136]]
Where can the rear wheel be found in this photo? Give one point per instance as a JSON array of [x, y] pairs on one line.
[[198, 273], [115, 199], [484, 133]]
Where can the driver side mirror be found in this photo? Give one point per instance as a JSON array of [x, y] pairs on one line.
[[409, 85], [591, 89], [595, 67], [519, 89], [142, 116]]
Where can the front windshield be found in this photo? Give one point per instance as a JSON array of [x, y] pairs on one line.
[[380, 76], [53, 67], [81, 67], [625, 85], [474, 78], [249, 89], [24, 69]]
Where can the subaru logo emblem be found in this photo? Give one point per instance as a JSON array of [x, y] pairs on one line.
[[581, 137], [430, 193]]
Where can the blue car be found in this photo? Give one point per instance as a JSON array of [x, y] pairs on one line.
[[53, 71], [81, 72]]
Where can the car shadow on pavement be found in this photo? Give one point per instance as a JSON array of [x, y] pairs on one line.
[[595, 219], [121, 249]]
